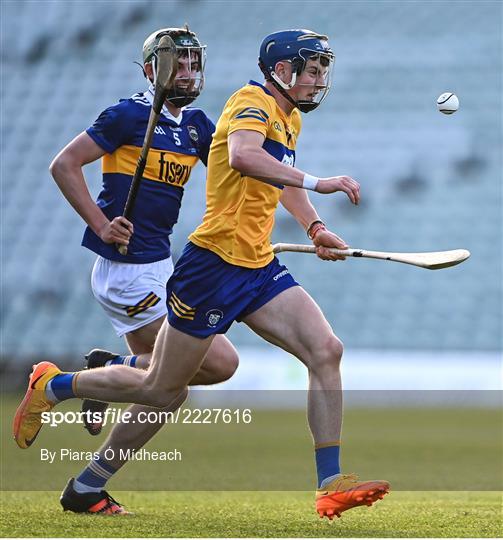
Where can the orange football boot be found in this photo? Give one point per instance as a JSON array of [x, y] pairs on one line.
[[346, 492], [28, 418]]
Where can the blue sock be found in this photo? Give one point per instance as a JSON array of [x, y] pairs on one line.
[[60, 387], [122, 361], [94, 476], [327, 462]]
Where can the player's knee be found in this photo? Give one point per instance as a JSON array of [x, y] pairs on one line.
[[178, 400], [228, 365], [158, 400], [162, 399], [335, 348], [329, 353], [143, 361], [154, 399]]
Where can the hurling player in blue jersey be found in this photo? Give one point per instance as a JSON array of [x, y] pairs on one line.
[[132, 288]]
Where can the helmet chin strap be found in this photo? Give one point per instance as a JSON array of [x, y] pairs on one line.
[[282, 87]]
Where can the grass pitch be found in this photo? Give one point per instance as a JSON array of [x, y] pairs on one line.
[[437, 460], [256, 514]]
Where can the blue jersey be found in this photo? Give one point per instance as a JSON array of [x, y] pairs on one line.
[[177, 145]]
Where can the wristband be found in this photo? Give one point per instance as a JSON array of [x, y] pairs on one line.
[[314, 228], [309, 182]]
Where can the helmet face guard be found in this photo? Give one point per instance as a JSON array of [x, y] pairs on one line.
[[319, 91], [187, 88], [298, 47]]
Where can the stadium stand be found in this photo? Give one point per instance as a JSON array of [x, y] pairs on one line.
[[429, 181]]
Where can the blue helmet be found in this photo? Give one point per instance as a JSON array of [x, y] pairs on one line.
[[296, 47]]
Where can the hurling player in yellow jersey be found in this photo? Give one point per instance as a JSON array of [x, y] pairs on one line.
[[228, 271]]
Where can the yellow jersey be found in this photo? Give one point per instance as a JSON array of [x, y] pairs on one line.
[[239, 216]]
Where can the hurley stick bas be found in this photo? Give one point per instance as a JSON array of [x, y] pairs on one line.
[[166, 64], [432, 260]]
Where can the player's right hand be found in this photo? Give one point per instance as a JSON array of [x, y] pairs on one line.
[[324, 240], [117, 231], [340, 183]]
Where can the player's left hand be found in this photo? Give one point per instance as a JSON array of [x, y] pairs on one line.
[[340, 183], [324, 239]]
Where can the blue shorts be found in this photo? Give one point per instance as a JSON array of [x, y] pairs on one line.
[[205, 294]]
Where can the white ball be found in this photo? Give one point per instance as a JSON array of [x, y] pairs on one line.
[[447, 103]]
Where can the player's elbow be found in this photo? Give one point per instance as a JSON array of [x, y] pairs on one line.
[[58, 165], [235, 160], [54, 166], [63, 166], [239, 159]]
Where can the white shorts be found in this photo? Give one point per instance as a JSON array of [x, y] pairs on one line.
[[133, 295]]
